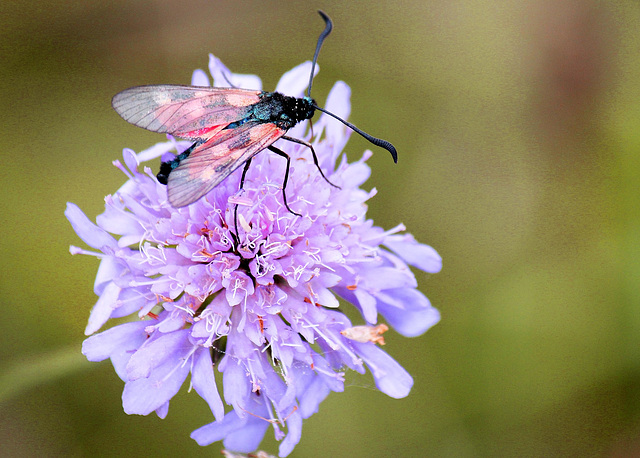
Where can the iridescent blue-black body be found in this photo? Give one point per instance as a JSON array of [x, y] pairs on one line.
[[282, 110]]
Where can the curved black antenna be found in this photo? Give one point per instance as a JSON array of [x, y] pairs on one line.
[[376, 141], [323, 35]]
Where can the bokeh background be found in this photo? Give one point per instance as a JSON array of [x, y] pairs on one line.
[[518, 129]]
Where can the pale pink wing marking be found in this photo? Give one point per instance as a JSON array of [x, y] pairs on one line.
[[194, 113], [213, 161]]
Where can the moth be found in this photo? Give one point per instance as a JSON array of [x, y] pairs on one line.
[[228, 126]]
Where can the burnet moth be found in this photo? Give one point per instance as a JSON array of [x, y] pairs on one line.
[[228, 126]]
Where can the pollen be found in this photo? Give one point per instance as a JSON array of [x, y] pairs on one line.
[[366, 333]]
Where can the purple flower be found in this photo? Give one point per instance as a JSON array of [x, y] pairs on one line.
[[260, 301]]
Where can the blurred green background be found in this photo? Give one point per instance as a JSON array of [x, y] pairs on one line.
[[518, 129]]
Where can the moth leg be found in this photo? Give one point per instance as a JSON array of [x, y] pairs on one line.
[[311, 127], [224, 75], [313, 152], [244, 172], [286, 176], [235, 210]]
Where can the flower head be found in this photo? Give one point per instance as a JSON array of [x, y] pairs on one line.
[[258, 299]]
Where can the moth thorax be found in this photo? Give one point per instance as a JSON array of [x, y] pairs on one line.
[[283, 110]]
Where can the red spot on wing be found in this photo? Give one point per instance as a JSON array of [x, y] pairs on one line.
[[184, 111], [215, 160], [204, 133]]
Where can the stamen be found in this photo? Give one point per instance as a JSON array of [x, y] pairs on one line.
[[77, 250]]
